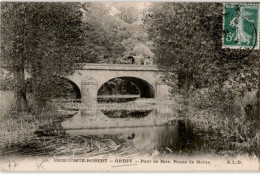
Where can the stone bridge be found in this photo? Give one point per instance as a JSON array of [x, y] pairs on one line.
[[89, 79]]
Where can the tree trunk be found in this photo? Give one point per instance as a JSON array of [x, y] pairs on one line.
[[20, 90], [185, 81], [37, 92], [184, 84]]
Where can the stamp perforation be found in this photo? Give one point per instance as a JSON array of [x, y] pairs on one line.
[[256, 47]]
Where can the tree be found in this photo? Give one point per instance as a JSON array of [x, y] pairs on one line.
[[112, 30], [188, 42], [101, 43], [142, 50], [41, 39], [128, 11]]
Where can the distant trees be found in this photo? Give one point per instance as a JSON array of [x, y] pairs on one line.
[[134, 36], [127, 11], [101, 43], [114, 30]]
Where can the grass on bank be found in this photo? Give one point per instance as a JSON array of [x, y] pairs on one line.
[[20, 127], [238, 133], [17, 136]]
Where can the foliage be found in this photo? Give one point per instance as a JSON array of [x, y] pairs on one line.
[[35, 29], [6, 80], [19, 128], [112, 31], [180, 30], [117, 30], [188, 42], [235, 135], [41, 38], [142, 50], [128, 12], [101, 43]]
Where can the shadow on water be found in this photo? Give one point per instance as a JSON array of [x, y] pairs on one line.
[[115, 100], [126, 113]]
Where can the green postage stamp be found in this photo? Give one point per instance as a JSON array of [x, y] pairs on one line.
[[241, 26]]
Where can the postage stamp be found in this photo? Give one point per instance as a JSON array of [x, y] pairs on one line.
[[241, 26]]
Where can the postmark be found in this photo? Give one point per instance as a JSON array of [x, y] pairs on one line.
[[241, 26]]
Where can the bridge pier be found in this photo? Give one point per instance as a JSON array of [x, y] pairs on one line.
[[162, 90], [89, 89]]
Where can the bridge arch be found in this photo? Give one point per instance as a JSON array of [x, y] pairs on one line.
[[62, 86], [76, 88], [145, 89]]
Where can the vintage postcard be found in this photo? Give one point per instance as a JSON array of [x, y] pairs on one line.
[[129, 86]]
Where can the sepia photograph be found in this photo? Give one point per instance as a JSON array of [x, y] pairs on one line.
[[129, 86]]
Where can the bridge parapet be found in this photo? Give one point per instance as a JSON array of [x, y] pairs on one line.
[[119, 67]]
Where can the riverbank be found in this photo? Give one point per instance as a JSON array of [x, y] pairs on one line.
[[237, 135], [42, 135], [62, 133], [19, 127]]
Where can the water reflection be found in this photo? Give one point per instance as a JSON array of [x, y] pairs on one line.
[[178, 137], [113, 118], [126, 113], [132, 110], [115, 100], [159, 132], [145, 130]]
